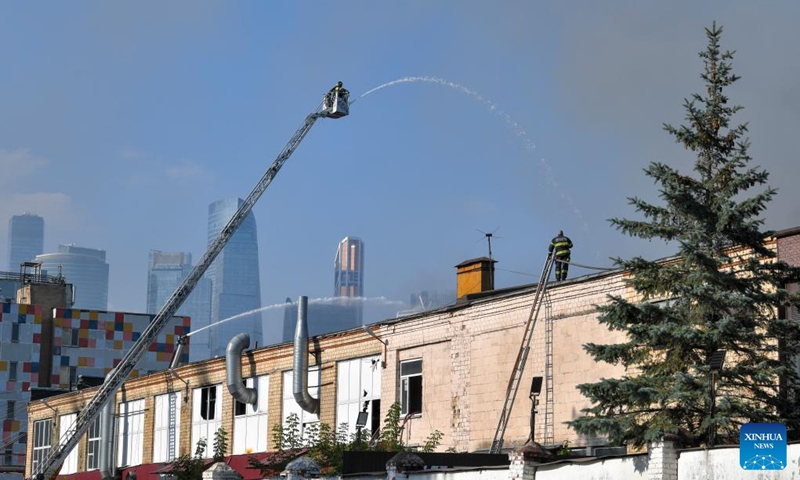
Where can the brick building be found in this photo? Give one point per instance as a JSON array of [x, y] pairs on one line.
[[448, 368]]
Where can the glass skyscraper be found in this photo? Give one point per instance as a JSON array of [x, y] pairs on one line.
[[166, 271], [348, 275], [25, 239], [86, 268], [234, 275], [348, 268]]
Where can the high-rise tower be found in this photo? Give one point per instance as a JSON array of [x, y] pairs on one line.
[[349, 268], [235, 284], [348, 271], [165, 272], [86, 268], [25, 239]]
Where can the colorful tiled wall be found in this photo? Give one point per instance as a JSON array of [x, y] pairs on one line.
[[20, 331], [103, 338]]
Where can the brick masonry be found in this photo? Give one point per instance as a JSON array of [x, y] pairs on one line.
[[467, 352]]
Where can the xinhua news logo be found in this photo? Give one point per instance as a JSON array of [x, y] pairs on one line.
[[762, 446]]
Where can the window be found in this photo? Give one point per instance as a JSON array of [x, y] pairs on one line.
[[208, 403], [290, 405], [12, 371], [411, 387], [11, 406], [70, 464], [8, 457], [73, 376], [130, 433], [167, 423], [206, 416], [93, 446], [358, 381], [42, 435], [250, 429], [15, 332]]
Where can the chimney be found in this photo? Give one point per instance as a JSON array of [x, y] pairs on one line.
[[474, 276]]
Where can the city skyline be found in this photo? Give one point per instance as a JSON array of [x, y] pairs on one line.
[[551, 129]]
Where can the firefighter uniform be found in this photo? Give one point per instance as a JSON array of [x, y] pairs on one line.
[[560, 247]]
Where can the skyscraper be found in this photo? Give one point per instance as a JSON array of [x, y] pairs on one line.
[[235, 284], [25, 239], [86, 268], [349, 268], [166, 271], [348, 272]]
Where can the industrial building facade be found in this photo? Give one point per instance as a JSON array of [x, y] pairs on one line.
[[46, 347], [448, 369]]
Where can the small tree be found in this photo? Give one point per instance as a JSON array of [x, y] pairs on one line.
[[220, 444], [391, 434], [187, 467], [723, 292]]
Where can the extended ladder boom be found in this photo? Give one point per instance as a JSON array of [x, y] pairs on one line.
[[522, 357], [49, 467]]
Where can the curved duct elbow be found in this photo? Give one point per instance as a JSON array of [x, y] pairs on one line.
[[233, 370], [300, 361]]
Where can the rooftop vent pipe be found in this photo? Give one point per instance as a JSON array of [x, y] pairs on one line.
[[300, 370], [233, 370]]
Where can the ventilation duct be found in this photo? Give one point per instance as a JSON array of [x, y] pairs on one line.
[[106, 451], [233, 370], [300, 363]]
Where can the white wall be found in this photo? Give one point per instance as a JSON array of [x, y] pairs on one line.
[[483, 474], [629, 468], [723, 464]]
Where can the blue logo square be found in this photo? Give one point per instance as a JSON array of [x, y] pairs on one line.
[[762, 446]]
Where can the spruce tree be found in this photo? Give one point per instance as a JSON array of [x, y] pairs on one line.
[[723, 291]]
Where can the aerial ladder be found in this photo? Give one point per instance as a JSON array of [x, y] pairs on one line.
[[335, 105], [522, 357]]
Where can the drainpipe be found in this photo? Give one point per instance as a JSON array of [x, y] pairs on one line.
[[300, 361], [233, 370]]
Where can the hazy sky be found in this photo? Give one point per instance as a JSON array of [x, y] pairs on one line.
[[120, 122]]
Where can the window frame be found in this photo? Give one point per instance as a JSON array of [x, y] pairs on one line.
[[93, 446], [13, 367], [161, 428], [42, 432], [407, 388], [206, 427]]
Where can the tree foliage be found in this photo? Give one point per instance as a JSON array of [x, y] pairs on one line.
[[188, 467], [723, 291], [327, 446]]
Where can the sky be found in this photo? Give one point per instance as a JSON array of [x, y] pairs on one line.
[[120, 122]]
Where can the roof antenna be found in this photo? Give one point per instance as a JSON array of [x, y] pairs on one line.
[[489, 236]]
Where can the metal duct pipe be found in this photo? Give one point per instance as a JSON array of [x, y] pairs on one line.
[[233, 370], [300, 363], [176, 357], [106, 450]]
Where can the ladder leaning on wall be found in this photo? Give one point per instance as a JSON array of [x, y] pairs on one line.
[[522, 357]]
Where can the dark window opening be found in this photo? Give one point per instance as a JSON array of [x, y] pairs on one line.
[[208, 403]]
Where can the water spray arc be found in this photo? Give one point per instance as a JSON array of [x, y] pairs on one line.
[[515, 127]]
